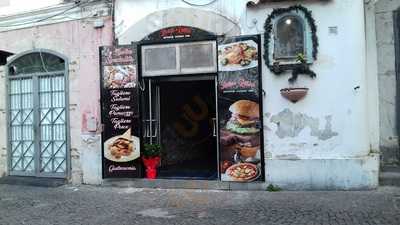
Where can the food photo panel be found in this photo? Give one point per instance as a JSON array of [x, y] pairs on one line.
[[120, 76], [239, 106], [120, 112]]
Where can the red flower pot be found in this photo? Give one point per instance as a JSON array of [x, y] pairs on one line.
[[151, 173], [151, 164]]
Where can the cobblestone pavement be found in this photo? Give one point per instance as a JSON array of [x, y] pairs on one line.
[[109, 206]]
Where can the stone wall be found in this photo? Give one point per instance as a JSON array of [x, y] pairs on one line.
[[387, 79]]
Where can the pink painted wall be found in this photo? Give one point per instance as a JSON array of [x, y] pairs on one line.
[[79, 41]]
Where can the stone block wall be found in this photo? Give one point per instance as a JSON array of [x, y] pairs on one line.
[[3, 124], [389, 143]]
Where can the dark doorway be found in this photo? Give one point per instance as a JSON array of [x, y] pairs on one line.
[[3, 57], [187, 131]]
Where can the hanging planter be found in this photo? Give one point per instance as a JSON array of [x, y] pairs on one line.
[[294, 94]]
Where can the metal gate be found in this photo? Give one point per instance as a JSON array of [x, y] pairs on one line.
[[37, 122]]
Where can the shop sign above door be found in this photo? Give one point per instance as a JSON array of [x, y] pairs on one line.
[[178, 32]]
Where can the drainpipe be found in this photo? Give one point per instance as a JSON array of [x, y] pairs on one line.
[[396, 28], [114, 41]]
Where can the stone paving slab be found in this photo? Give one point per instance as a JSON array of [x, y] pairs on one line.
[[33, 181], [111, 205]]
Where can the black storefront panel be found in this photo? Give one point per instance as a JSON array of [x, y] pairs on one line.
[[120, 112], [240, 109]]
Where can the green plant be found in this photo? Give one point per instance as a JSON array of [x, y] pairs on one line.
[[151, 150], [301, 68], [301, 58], [273, 188]]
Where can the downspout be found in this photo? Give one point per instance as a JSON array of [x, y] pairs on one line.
[[396, 28], [114, 41]]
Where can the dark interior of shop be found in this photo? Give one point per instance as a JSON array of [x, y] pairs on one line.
[[3, 57], [189, 148]]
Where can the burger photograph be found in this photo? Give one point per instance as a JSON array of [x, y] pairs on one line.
[[240, 139], [245, 117]]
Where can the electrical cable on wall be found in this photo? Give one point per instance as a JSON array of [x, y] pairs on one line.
[[193, 4], [47, 18], [41, 59]]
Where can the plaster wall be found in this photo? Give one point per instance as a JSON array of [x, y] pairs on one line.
[[331, 122], [323, 141], [326, 131], [389, 143], [79, 41], [128, 14]]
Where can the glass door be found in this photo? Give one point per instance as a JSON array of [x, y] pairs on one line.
[[180, 114], [37, 116], [37, 126], [150, 99]]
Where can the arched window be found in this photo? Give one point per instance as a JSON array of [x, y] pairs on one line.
[[37, 115], [289, 37], [36, 62], [291, 42]]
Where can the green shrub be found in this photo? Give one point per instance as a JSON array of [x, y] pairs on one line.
[[151, 150], [272, 188]]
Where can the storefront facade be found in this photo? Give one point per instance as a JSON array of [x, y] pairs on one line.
[[323, 141], [249, 93]]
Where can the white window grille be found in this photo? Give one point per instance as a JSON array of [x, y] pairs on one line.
[[179, 59], [37, 116]]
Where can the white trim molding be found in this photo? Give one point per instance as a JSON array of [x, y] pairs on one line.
[[210, 21]]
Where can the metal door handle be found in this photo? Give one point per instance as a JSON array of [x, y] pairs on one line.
[[147, 124], [154, 129], [150, 132], [214, 127]]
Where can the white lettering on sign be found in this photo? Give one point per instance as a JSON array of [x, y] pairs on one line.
[[120, 123], [120, 95], [113, 168]]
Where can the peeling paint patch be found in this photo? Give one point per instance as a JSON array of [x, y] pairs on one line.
[[298, 145], [266, 128], [267, 154], [288, 157], [90, 139], [290, 125]]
